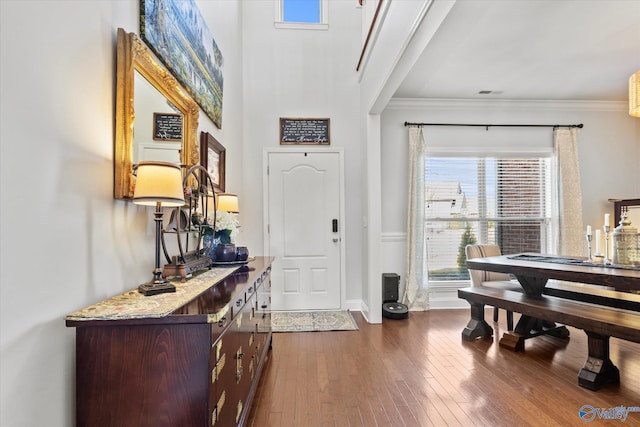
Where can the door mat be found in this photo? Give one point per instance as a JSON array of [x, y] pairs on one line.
[[308, 321]]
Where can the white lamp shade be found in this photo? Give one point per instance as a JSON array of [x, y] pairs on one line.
[[158, 182], [227, 202], [634, 94]]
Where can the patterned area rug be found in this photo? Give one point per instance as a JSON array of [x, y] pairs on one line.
[[307, 321]]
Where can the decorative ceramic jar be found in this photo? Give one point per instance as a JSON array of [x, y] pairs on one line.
[[226, 252], [242, 253], [625, 243]]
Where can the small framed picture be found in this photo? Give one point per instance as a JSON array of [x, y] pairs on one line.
[[212, 158]]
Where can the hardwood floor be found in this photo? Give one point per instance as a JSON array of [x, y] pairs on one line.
[[419, 372]]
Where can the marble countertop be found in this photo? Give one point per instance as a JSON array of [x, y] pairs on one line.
[[134, 305]]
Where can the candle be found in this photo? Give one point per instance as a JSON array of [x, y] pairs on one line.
[[588, 230], [598, 238], [606, 219]]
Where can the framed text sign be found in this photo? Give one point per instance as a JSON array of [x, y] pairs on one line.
[[304, 131], [167, 127]]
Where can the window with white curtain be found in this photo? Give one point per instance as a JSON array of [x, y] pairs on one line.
[[508, 201]]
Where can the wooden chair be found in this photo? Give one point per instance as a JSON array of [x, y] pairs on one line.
[[489, 278]]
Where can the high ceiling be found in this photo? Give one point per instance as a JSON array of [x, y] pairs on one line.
[[531, 49]]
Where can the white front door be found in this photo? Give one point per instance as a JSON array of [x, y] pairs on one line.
[[304, 229]]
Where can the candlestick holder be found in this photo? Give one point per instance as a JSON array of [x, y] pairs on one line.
[[590, 258], [607, 229]]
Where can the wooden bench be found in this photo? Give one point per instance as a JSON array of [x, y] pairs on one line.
[[593, 295], [598, 321]]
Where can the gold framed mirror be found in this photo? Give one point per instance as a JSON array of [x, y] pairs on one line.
[[136, 65]]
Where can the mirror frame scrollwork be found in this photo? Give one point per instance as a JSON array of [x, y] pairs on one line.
[[134, 55]]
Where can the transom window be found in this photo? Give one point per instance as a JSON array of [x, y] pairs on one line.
[[301, 14]]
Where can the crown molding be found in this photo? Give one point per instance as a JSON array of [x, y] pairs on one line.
[[522, 104]]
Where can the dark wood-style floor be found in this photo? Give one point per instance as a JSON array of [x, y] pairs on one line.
[[418, 372]]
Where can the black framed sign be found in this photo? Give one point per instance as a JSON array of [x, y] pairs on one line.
[[167, 127], [301, 131]]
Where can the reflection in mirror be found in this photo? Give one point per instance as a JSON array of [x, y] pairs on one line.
[[633, 213], [146, 144], [170, 99], [632, 209]]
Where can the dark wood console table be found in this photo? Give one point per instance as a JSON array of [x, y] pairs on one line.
[[192, 358]]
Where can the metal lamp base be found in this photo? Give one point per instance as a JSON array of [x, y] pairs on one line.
[[154, 288]]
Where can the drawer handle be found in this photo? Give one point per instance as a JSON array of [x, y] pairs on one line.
[[263, 306], [222, 321], [239, 302]]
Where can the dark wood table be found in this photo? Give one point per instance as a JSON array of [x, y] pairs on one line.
[[533, 272]]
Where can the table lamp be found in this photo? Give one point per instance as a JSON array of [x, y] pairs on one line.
[[159, 184], [227, 202]]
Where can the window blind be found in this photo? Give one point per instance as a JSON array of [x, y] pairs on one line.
[[488, 200]]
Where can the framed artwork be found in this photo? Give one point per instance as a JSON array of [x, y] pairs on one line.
[[212, 158], [304, 131], [176, 31]]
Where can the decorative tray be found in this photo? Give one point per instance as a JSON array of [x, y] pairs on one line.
[[232, 263]]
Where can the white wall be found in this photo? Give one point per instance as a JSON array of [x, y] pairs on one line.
[[65, 242], [403, 29], [302, 73], [608, 150]]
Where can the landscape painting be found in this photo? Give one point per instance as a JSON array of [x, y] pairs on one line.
[[176, 31]]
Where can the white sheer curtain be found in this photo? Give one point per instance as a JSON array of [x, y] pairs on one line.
[[571, 239], [416, 283]]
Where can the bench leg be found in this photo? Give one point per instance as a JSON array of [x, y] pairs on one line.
[[598, 370], [514, 339], [477, 327], [529, 327]]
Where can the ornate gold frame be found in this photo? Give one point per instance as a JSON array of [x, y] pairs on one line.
[[134, 55]]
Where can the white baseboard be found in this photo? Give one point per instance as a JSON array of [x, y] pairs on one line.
[[364, 309], [439, 299], [353, 305]]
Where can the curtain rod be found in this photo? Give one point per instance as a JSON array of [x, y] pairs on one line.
[[580, 126]]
